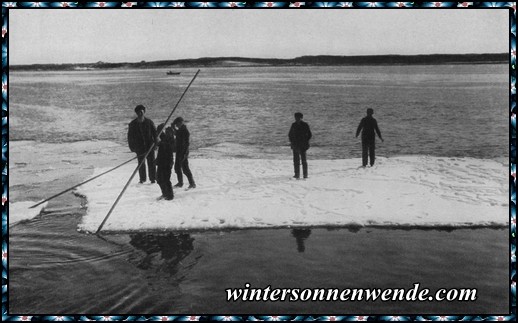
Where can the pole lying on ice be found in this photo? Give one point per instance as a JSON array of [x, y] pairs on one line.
[[77, 185], [144, 159]]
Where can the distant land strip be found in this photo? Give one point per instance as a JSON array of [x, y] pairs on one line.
[[321, 60]]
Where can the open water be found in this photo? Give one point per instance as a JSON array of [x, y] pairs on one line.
[[450, 110]]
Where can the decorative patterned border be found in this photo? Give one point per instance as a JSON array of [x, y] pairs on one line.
[[294, 5]]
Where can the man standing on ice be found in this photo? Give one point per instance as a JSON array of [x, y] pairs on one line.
[[182, 153], [299, 136], [368, 125], [164, 161], [141, 137]]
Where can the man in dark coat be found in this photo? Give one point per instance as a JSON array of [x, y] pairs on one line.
[[368, 125], [299, 136], [182, 153], [141, 137], [164, 161]]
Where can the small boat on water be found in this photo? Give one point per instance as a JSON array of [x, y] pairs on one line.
[[173, 73]]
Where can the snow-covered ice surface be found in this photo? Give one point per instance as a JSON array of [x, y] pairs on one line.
[[39, 169], [21, 211], [406, 191]]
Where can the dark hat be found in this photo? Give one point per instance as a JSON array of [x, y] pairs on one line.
[[140, 107], [178, 120], [370, 111], [298, 115]]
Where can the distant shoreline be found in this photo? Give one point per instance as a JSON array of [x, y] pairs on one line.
[[381, 60]]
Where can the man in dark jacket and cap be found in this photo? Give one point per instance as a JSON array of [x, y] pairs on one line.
[[182, 153], [299, 136], [164, 162], [142, 136], [368, 125]]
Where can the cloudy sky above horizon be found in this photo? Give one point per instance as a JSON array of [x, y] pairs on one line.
[[39, 36]]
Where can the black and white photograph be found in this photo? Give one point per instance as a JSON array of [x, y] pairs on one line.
[[244, 161]]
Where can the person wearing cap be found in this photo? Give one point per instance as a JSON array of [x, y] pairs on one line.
[[181, 165], [299, 136], [164, 162], [142, 136], [369, 128]]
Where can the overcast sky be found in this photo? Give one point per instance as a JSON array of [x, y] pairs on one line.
[[132, 35]]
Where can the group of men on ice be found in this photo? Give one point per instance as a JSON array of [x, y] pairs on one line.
[[143, 135]]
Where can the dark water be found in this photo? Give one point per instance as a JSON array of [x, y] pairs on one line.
[[447, 110], [53, 269]]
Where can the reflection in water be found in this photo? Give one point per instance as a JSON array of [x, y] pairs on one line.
[[300, 235], [163, 251]]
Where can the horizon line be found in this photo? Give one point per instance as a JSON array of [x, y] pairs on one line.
[[262, 58]]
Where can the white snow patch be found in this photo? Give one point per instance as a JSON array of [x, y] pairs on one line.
[[255, 193], [20, 211]]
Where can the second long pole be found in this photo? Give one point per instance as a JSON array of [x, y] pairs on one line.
[[144, 159]]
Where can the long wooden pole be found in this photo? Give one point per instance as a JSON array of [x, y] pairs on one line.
[[77, 185], [144, 159]]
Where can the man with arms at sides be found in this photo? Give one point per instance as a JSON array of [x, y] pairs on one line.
[[181, 165], [299, 136], [142, 136]]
